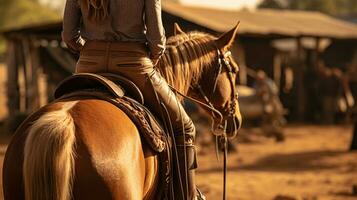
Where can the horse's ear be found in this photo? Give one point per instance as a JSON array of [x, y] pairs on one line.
[[177, 29], [226, 40]]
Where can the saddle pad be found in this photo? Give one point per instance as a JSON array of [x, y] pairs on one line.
[[144, 121]]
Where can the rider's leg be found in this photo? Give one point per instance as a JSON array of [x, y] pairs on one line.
[[147, 79], [184, 131]]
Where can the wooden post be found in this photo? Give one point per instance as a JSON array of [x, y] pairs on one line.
[[43, 87], [317, 52], [239, 51], [31, 74], [35, 65], [21, 75], [13, 94], [277, 69], [299, 71]]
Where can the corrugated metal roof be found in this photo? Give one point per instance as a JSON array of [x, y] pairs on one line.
[[266, 21]]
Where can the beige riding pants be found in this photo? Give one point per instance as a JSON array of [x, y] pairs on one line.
[[131, 60]]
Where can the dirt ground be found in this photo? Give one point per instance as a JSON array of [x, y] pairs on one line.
[[312, 164]]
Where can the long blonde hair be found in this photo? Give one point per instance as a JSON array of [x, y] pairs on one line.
[[98, 10]]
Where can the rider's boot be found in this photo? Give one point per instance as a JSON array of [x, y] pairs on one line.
[[187, 171]]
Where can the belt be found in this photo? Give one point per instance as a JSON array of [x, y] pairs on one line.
[[116, 46]]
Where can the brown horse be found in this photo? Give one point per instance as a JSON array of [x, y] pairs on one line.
[[89, 149]]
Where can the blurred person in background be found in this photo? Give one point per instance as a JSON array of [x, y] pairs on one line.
[[352, 81], [273, 117]]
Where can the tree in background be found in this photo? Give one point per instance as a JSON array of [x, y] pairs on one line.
[[274, 4], [175, 1], [332, 7], [18, 13]]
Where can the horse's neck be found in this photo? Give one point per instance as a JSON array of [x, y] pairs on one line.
[[181, 70]]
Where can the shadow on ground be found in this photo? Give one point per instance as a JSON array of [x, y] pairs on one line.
[[294, 162]]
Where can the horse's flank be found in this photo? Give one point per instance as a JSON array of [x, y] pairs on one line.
[[49, 155], [111, 164]]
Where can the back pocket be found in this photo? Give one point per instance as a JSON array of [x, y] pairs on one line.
[[89, 60]]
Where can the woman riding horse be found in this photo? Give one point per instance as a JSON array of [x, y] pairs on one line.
[[83, 147], [113, 36]]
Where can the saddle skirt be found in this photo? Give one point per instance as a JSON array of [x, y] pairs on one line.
[[109, 87]]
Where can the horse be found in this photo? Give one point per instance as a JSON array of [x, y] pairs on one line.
[[90, 149]]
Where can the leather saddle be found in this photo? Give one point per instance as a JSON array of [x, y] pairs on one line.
[[112, 83]]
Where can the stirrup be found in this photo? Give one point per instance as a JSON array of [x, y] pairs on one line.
[[199, 195]]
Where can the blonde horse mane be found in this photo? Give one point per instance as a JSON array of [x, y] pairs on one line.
[[186, 58]]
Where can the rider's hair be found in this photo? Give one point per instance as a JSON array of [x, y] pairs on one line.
[[98, 10]]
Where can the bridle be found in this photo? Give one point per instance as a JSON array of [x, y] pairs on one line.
[[231, 108]]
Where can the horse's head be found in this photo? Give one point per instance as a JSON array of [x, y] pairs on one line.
[[216, 85]]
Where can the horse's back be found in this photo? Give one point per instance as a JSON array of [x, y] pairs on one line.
[[109, 159]]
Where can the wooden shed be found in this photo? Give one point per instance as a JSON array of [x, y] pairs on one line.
[[280, 42]]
